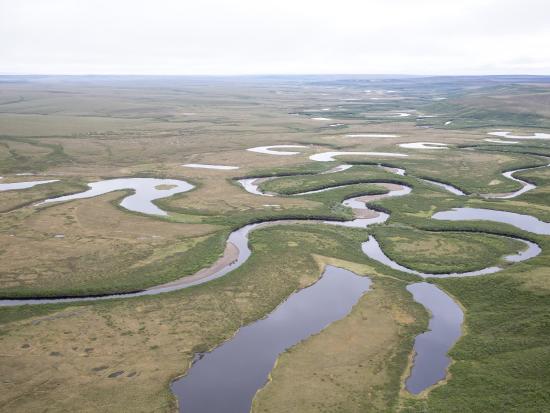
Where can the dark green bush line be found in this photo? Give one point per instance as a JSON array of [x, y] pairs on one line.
[[377, 229], [293, 217], [273, 175], [358, 194], [303, 169], [371, 163], [346, 182], [500, 365], [506, 150], [322, 143], [501, 233], [488, 228], [441, 182], [179, 265]]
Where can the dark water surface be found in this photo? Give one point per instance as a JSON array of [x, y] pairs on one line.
[[226, 379], [431, 360]]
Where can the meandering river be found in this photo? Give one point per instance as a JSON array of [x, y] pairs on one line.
[[145, 191], [290, 323]]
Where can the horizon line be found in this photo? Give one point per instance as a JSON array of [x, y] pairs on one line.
[[274, 74]]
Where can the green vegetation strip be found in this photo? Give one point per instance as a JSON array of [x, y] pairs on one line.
[[501, 363]]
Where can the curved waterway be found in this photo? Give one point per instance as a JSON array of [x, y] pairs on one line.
[[504, 134], [274, 149], [431, 361], [448, 187], [435, 342], [252, 185], [236, 253], [365, 215], [145, 190], [501, 141], [526, 186], [521, 221], [329, 156], [372, 249], [226, 379], [24, 185], [424, 145]]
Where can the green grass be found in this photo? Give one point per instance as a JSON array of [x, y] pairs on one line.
[[18, 162], [447, 168], [122, 333], [309, 168], [355, 175], [465, 115], [527, 149], [501, 363], [444, 252]]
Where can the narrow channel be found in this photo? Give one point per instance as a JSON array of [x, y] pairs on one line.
[[371, 248]]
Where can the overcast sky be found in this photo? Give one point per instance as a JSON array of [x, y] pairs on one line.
[[275, 36]]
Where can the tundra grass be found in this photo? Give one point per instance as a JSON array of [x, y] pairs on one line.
[[465, 115], [528, 149], [18, 161], [15, 199], [121, 355], [444, 252], [124, 353], [501, 362], [473, 172], [133, 272], [141, 254], [353, 365], [325, 206], [89, 247], [298, 184], [448, 168]]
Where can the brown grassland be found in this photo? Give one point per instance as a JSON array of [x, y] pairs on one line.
[[121, 355]]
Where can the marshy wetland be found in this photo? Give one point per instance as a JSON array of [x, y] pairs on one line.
[[179, 231]]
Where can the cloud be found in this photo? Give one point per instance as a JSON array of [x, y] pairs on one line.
[[283, 36]]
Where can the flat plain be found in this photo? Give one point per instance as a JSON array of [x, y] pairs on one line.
[[122, 354]]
